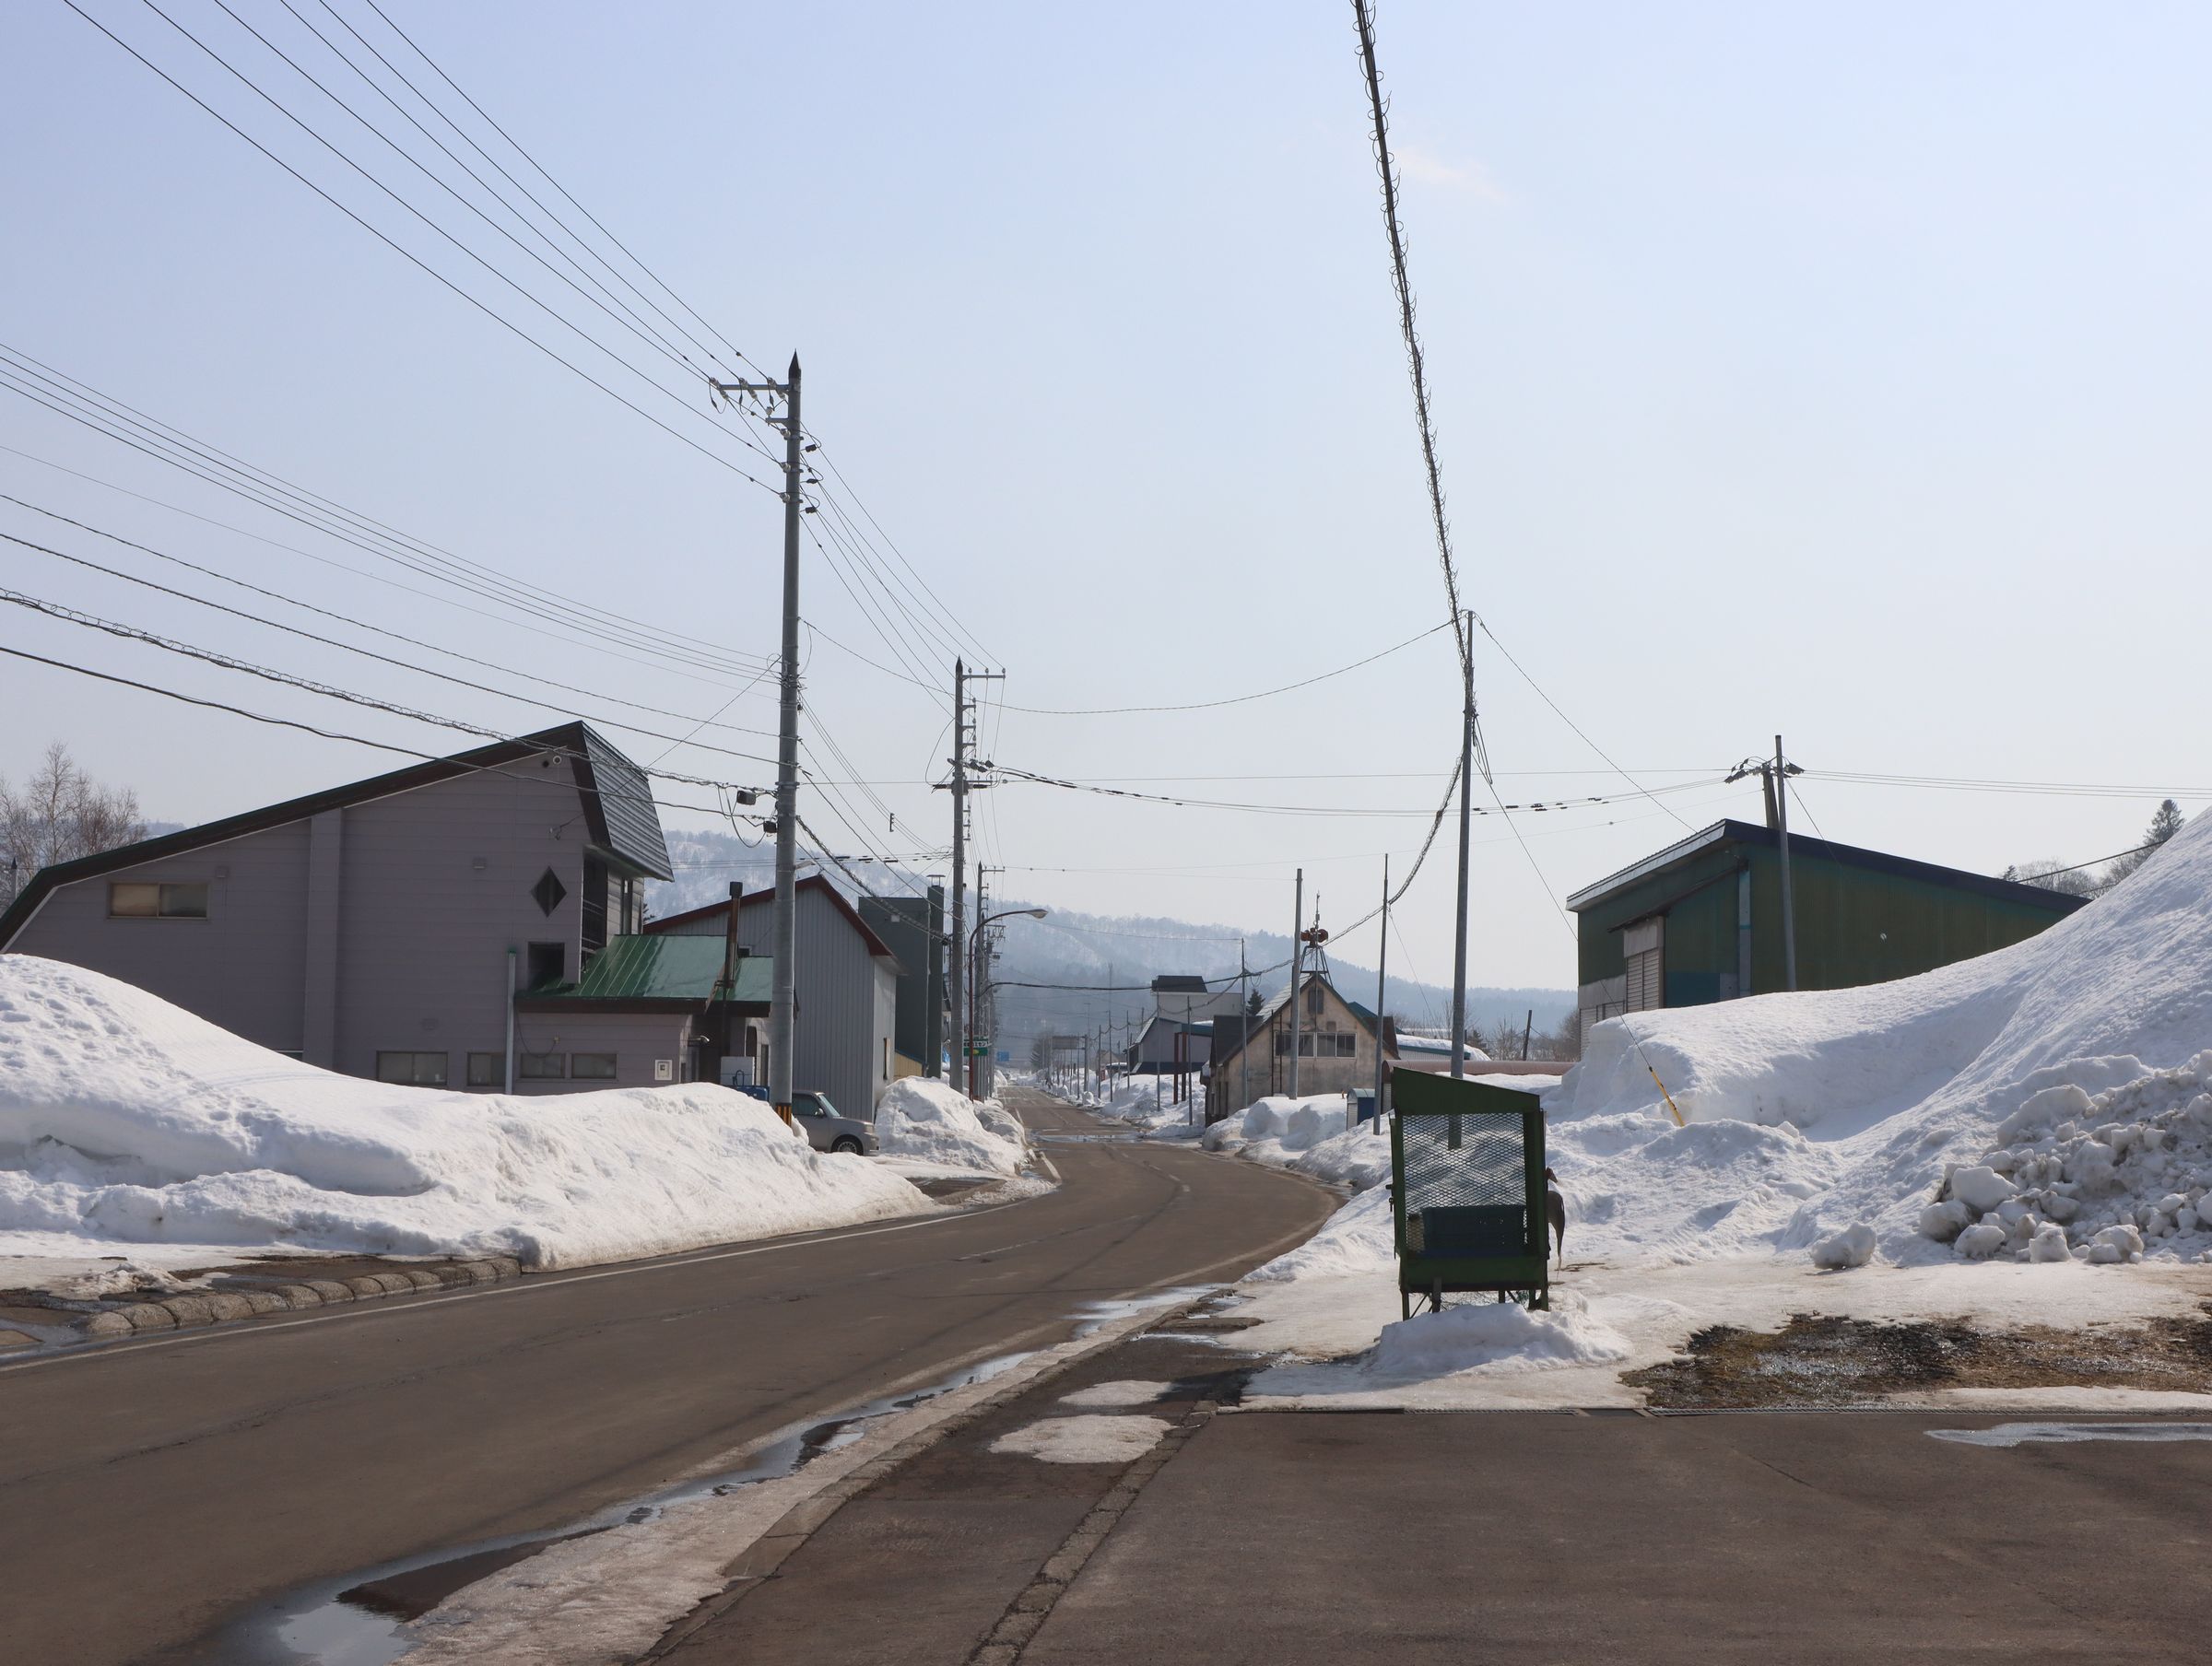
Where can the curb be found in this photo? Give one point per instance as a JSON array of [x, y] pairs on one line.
[[768, 1552], [250, 1297]]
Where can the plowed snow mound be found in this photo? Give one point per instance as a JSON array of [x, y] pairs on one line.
[[128, 1120], [1868, 1097], [934, 1120]]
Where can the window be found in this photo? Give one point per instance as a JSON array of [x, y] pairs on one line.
[[488, 1070], [136, 899], [1314, 997], [1643, 950], [592, 1067], [1347, 1046], [596, 884], [416, 1070], [887, 1058], [548, 965], [541, 1067], [1282, 1039]]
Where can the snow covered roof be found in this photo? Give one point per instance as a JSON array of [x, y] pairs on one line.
[[1752, 833], [618, 813]]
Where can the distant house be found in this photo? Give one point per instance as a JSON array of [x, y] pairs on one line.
[[1179, 1035], [442, 925], [1701, 921], [1336, 1043], [846, 991]]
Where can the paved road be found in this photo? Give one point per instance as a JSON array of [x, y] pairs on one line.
[[1306, 1539], [151, 1490]]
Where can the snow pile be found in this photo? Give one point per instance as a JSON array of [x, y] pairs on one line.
[[1277, 1128], [125, 1121], [2091, 1177], [1360, 1238], [1493, 1337], [1091, 1439], [934, 1122], [1815, 1112], [1150, 1102], [1001, 1121]]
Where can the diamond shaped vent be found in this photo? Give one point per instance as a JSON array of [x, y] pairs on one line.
[[548, 890]]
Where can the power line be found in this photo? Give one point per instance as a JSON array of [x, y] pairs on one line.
[[229, 663], [1235, 699], [271, 492], [359, 625], [389, 243], [1533, 807]]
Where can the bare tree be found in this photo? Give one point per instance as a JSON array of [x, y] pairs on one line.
[[2052, 875], [60, 814]]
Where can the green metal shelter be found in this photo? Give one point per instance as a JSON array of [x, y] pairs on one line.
[[1701, 919], [1467, 1165]]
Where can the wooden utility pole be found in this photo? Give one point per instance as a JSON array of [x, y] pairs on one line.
[[1381, 995], [1298, 965]]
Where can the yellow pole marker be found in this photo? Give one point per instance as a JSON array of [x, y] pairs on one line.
[[1664, 1094]]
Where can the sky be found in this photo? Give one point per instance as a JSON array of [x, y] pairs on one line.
[[1837, 373]]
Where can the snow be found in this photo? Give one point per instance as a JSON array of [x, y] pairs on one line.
[[126, 1121], [2020, 1139], [1122, 1392], [920, 1118], [1089, 1438], [1150, 1103], [1492, 1336]]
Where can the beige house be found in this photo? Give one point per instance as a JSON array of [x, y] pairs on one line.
[[1336, 1042]]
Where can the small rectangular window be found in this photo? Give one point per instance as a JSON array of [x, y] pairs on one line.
[[548, 965], [139, 899], [487, 1070], [592, 1067], [413, 1070], [542, 1067]]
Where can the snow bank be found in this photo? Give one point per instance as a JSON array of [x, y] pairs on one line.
[[1280, 1127], [1493, 1337], [1813, 1112], [126, 1120], [1150, 1102], [2091, 1177], [921, 1118]]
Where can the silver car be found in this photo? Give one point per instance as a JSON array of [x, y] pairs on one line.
[[827, 1130]]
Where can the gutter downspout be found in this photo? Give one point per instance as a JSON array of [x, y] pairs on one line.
[[510, 1087]]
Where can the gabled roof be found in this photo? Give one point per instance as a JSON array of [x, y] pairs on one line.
[[669, 973], [619, 818], [1262, 1019], [1728, 832], [813, 882]]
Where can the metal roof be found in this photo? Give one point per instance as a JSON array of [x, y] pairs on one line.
[[617, 808], [661, 969], [623, 819], [1881, 862]]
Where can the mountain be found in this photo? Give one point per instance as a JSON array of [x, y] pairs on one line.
[[1082, 952]]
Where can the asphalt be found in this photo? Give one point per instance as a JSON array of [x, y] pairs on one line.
[[1303, 1539], [153, 1491]]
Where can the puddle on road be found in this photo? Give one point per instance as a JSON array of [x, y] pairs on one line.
[[2023, 1434], [354, 1619]]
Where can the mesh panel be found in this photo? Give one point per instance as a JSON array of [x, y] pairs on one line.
[[1465, 1183]]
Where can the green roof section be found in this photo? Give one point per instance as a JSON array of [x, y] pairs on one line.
[[661, 969]]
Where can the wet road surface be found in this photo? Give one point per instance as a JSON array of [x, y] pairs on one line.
[[151, 1490]]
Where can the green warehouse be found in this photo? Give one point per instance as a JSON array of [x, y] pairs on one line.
[[1701, 919]]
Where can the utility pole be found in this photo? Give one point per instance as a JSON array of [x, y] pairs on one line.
[[781, 1007], [1467, 790], [1382, 985], [960, 876], [1774, 778], [1789, 901], [1298, 965]]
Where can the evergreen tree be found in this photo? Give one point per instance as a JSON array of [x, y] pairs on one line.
[[2165, 822]]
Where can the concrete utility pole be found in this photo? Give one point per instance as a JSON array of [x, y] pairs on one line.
[[1467, 790], [1243, 1028], [1382, 985], [959, 875], [1789, 901], [1298, 965], [781, 1007]]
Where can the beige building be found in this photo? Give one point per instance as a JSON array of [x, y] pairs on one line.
[[1336, 1041]]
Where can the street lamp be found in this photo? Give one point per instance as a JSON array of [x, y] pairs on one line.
[[975, 938]]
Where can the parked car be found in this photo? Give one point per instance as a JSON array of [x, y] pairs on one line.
[[825, 1127]]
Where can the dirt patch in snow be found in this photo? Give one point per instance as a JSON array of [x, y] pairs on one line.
[[1824, 1360]]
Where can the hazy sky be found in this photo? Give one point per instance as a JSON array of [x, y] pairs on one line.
[[1836, 370]]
